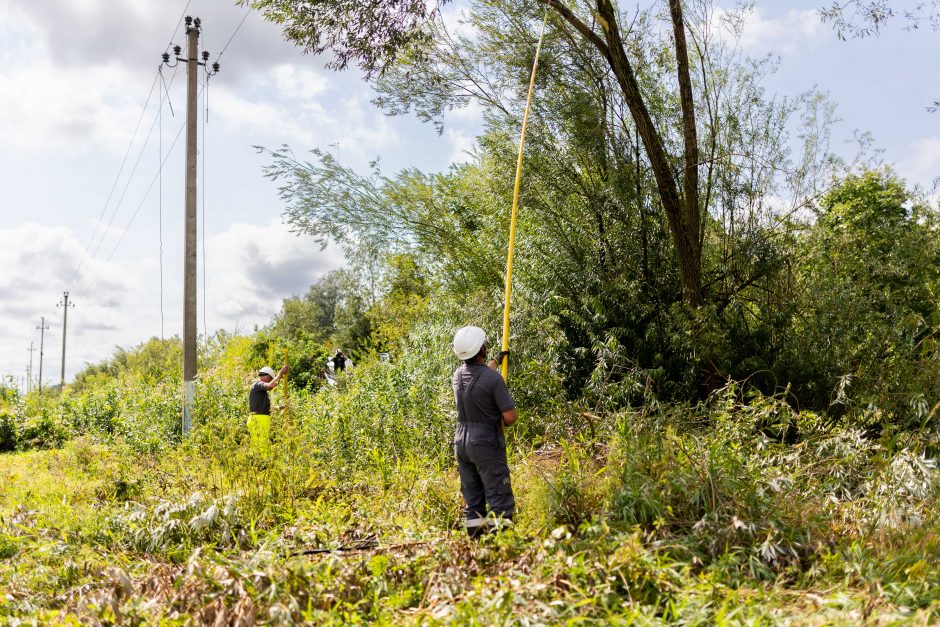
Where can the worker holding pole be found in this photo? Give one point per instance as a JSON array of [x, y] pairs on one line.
[[484, 407], [259, 406]]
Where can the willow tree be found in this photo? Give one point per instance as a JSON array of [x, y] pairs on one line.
[[374, 34]]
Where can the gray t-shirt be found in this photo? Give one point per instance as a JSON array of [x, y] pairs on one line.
[[481, 394]]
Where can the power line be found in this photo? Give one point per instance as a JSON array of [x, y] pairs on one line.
[[158, 76], [137, 211], [91, 252], [160, 204], [235, 32], [114, 185], [166, 89], [158, 177], [178, 24], [127, 184]]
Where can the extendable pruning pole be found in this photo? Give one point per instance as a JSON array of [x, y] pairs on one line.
[[515, 202], [286, 389]]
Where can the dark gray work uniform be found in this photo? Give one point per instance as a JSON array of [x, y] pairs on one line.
[[480, 445]]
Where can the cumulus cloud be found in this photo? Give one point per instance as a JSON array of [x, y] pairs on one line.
[[923, 164], [762, 33], [253, 267], [299, 83], [135, 32], [298, 117], [38, 262], [78, 110], [88, 65], [250, 269], [463, 144]]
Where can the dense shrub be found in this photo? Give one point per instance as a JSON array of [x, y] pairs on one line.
[[7, 432], [866, 317]]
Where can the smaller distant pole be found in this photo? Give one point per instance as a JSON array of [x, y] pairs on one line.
[[29, 369], [42, 341], [65, 304]]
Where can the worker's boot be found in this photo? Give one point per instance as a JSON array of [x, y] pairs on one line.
[[478, 532]]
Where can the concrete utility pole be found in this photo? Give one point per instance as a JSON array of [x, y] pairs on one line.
[[42, 340], [190, 331], [65, 304], [29, 370]]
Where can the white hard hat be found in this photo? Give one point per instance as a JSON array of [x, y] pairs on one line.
[[266, 370], [467, 342]]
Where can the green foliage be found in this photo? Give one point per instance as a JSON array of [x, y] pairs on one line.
[[332, 313], [404, 302], [685, 514], [866, 325], [370, 34], [769, 456], [7, 432], [594, 253], [399, 408], [176, 529]]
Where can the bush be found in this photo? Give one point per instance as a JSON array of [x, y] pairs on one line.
[[7, 432], [867, 321]]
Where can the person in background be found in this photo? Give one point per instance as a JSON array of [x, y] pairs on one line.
[[484, 407], [259, 407], [339, 361]]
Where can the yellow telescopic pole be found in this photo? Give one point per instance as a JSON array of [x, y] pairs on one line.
[[286, 388], [515, 202]]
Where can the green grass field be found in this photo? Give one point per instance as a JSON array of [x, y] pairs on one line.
[[651, 526]]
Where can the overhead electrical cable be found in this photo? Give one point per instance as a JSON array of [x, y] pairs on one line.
[[130, 223], [94, 247], [235, 32], [178, 24], [166, 89], [127, 184], [158, 76], [160, 225], [205, 324], [117, 177]]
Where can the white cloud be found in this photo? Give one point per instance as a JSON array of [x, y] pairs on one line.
[[135, 32], [785, 34], [356, 130], [95, 107], [38, 262], [297, 83], [250, 269], [253, 267], [463, 144], [923, 164]]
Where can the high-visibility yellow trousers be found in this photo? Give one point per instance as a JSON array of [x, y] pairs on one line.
[[259, 433]]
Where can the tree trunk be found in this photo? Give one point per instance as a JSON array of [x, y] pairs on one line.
[[690, 216], [682, 211]]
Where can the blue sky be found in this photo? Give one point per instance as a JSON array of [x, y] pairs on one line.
[[73, 86]]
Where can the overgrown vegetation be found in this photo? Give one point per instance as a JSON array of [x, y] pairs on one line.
[[698, 513], [765, 455]]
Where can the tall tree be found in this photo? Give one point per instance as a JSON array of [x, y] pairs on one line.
[[682, 206], [376, 33]]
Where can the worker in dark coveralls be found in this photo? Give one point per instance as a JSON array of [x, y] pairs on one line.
[[484, 407], [259, 406]]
